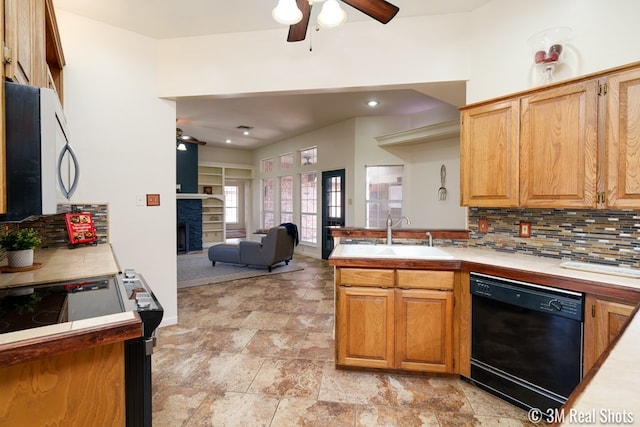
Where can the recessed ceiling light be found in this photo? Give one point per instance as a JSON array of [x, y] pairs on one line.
[[228, 141], [372, 103]]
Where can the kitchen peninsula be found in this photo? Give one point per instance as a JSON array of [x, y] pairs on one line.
[[383, 286], [75, 370]]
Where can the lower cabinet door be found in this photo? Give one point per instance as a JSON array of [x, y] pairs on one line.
[[601, 326], [365, 328], [424, 330]]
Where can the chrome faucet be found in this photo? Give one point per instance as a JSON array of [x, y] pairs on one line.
[[428, 233], [391, 224]]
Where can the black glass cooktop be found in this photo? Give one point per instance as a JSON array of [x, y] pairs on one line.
[[47, 304]]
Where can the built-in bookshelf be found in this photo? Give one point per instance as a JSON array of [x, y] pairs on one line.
[[211, 178]]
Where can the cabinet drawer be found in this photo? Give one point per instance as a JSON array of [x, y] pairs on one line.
[[417, 279], [365, 277]]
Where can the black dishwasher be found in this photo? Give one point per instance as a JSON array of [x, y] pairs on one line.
[[526, 341]]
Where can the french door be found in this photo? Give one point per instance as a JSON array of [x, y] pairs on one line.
[[332, 207]]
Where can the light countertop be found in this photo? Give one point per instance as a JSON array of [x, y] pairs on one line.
[[64, 264], [528, 263], [612, 395], [535, 264]]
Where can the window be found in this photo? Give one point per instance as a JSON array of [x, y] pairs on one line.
[[334, 199], [286, 161], [267, 165], [231, 204], [309, 207], [384, 194], [268, 203], [286, 199], [309, 156]]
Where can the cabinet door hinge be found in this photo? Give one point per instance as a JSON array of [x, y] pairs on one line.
[[603, 89], [7, 54], [593, 310]]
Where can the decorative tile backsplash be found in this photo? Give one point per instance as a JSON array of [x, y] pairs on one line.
[[601, 236], [53, 229]]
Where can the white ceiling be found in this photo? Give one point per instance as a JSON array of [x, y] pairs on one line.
[[273, 117]]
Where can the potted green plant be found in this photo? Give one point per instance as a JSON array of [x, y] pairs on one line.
[[20, 245]]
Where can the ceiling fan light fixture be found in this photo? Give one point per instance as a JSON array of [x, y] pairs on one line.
[[181, 147], [331, 15], [287, 12], [246, 130]]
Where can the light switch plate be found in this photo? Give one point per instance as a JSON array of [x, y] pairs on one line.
[[483, 225], [141, 200]]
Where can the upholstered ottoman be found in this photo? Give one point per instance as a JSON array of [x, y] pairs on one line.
[[224, 253]]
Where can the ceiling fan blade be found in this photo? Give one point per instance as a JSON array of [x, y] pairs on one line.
[[380, 10], [298, 32], [192, 140]]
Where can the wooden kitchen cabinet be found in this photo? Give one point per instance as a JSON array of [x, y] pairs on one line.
[[424, 330], [559, 146], [33, 52], [576, 143], [395, 319], [603, 321], [24, 52], [623, 139], [489, 155], [365, 327]]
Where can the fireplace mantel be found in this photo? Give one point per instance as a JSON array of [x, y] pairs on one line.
[[197, 196]]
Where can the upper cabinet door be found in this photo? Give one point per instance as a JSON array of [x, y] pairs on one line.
[[623, 140], [559, 146], [489, 155], [24, 40]]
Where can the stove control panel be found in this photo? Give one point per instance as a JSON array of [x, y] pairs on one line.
[[138, 296], [137, 293]]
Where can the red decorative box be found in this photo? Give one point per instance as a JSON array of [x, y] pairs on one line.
[[80, 228]]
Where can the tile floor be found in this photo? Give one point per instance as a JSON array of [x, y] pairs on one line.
[[259, 352]]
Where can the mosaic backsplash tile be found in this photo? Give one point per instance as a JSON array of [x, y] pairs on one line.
[[600, 236], [53, 229]]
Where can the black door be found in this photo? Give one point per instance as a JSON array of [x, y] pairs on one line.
[[332, 207]]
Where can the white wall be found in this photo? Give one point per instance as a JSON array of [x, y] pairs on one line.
[[124, 137], [408, 50], [488, 47], [605, 35], [422, 164], [224, 155]]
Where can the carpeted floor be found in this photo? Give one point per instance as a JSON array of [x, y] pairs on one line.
[[195, 269]]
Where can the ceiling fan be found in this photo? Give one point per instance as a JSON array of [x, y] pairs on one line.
[[380, 10], [181, 137]]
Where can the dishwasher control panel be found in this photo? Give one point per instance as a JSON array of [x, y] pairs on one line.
[[528, 295]]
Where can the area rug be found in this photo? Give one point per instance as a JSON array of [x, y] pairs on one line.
[[196, 270]]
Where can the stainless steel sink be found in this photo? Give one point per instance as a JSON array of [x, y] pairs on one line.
[[390, 251]]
